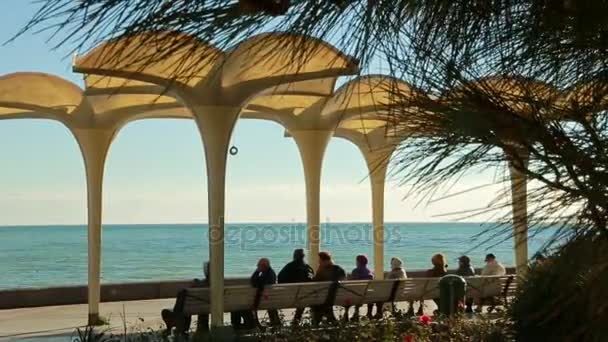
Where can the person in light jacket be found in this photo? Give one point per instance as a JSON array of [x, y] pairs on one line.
[[493, 267], [397, 270]]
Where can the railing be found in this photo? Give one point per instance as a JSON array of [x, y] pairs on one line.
[[68, 295]]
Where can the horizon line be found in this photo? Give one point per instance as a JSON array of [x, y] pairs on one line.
[[239, 223]]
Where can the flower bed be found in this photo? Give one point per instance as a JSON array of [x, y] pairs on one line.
[[399, 328]]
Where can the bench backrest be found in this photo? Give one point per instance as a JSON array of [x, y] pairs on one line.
[[491, 286], [355, 292], [293, 295], [418, 289]]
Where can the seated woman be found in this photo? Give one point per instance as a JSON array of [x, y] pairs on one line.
[[327, 271], [466, 270], [440, 268], [361, 272], [397, 273]]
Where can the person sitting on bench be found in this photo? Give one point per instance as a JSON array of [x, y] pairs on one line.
[[440, 269], [361, 272], [327, 271], [492, 268], [296, 271], [175, 319], [466, 270], [247, 319], [264, 275]]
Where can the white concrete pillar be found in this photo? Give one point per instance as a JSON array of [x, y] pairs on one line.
[[312, 145], [215, 125], [377, 164], [94, 145], [519, 202]]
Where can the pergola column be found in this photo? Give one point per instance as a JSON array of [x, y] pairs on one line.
[[94, 145], [312, 145], [519, 203], [377, 164], [215, 124]]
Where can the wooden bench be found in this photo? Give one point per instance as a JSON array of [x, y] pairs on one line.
[[346, 293], [496, 288]]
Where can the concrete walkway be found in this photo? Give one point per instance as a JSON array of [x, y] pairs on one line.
[[59, 323], [62, 321]]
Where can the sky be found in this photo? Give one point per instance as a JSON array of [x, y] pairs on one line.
[[155, 171]]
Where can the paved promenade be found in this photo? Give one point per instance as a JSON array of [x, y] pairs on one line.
[[62, 321], [59, 323]]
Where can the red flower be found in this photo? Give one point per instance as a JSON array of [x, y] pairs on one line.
[[460, 305], [348, 302], [408, 338], [425, 319]]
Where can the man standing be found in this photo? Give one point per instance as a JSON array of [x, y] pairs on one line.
[[296, 271]]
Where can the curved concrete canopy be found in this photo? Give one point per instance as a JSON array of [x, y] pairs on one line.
[[30, 93], [40, 95], [147, 56], [368, 94], [588, 94], [515, 92], [214, 77], [283, 54]]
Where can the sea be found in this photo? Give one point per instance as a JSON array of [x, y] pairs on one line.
[[44, 256]]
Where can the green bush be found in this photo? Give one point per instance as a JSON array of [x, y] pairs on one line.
[[566, 298]]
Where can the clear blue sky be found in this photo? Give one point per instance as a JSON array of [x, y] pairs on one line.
[[156, 173]]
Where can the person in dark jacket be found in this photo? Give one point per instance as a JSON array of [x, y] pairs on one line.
[[264, 275], [296, 271], [440, 268], [464, 267], [327, 271], [175, 318], [361, 272], [466, 270]]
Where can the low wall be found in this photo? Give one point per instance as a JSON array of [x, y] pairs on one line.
[[67, 295]]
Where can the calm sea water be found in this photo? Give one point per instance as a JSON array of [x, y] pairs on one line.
[[57, 255]]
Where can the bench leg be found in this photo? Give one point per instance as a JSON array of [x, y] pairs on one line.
[[297, 316], [182, 325], [168, 318]]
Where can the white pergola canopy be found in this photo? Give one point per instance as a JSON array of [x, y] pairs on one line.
[[256, 79]]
